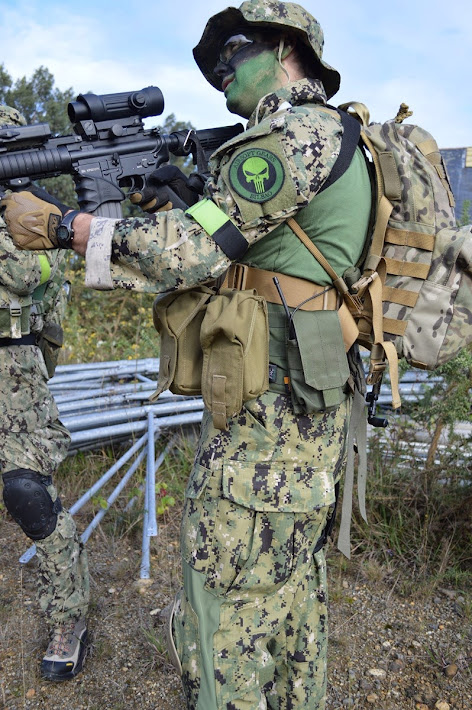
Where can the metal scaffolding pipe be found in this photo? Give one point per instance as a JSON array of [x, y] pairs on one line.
[[107, 434], [151, 528], [109, 417], [150, 362], [113, 496]]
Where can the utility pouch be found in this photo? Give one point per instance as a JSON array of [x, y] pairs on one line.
[[178, 319], [15, 316], [235, 343], [50, 341], [317, 362]]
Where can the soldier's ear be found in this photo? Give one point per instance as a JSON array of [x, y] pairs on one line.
[[287, 48]]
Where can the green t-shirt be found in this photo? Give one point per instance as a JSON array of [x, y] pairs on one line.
[[336, 220]]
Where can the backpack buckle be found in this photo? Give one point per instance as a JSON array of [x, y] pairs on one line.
[[361, 285], [377, 364]]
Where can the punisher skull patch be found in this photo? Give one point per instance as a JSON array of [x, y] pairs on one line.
[[256, 174]]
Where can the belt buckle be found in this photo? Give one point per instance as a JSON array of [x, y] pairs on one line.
[[238, 277]]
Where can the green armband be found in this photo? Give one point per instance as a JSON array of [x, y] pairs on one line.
[[45, 268], [219, 226]]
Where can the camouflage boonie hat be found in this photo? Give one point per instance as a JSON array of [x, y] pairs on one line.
[[10, 116], [263, 13]]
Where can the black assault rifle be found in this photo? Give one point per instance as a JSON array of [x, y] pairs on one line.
[[109, 149]]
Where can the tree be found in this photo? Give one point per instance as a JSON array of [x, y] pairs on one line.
[[41, 102], [465, 213]]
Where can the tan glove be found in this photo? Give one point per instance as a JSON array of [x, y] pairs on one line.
[[31, 222]]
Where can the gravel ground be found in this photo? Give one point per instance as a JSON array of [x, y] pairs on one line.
[[388, 651]]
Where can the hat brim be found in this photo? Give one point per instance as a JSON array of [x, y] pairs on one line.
[[218, 29]]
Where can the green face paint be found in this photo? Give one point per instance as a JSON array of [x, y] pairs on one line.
[[252, 77]]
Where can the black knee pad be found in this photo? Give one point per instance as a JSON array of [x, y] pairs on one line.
[[28, 501]]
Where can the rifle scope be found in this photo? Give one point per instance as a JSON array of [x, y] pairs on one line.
[[146, 102]]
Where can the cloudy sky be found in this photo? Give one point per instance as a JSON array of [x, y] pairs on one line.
[[418, 52]]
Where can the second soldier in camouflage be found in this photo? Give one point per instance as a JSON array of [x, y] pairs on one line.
[[34, 442]]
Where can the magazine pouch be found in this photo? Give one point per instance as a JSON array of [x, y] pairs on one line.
[[178, 318], [235, 344]]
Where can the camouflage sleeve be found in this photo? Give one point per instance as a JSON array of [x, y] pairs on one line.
[[153, 254], [21, 270], [170, 251]]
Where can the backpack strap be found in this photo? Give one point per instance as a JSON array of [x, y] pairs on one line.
[[353, 303], [349, 143], [356, 440]]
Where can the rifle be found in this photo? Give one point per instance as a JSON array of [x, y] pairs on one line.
[[109, 150]]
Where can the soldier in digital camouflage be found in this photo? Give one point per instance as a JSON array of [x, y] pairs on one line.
[[249, 628], [34, 442]]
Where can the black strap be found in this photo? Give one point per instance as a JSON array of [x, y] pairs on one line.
[[24, 340], [349, 143], [231, 241]]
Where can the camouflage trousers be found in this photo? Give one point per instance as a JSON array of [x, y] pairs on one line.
[[33, 438], [250, 624]]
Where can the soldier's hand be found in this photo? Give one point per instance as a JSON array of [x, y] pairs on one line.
[[166, 184], [31, 221], [43, 195]]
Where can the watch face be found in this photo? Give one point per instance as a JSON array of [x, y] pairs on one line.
[[64, 232]]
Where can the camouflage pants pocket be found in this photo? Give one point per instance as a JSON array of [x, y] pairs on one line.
[[216, 534]]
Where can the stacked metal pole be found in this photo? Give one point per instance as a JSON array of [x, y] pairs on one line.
[[105, 403], [108, 402]]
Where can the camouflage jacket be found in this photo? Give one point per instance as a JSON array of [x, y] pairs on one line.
[[169, 250]]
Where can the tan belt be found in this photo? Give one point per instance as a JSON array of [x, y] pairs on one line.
[[296, 291]]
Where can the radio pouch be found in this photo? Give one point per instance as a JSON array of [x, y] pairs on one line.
[[317, 361], [235, 344]]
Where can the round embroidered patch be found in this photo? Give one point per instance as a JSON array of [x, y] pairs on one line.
[[256, 174]]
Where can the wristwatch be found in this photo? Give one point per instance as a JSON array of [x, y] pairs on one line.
[[64, 232]]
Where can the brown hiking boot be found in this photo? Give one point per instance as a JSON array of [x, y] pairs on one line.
[[65, 654]]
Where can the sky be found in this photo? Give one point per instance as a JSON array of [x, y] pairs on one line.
[[418, 52]]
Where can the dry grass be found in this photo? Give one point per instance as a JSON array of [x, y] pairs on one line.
[[382, 604]]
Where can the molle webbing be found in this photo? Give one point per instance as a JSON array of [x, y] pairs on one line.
[[298, 293]]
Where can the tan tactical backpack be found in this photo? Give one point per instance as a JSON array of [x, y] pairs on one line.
[[414, 295]]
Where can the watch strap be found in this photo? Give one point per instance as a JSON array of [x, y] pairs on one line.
[[65, 242]]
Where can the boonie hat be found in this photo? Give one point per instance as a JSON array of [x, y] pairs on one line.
[[11, 117], [254, 14]]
